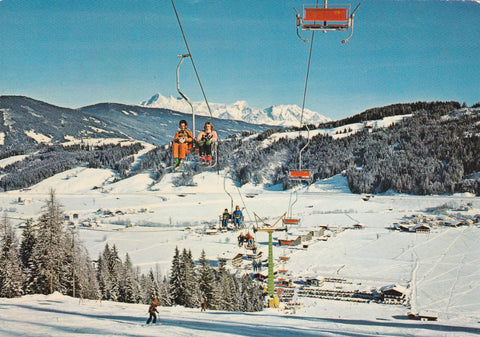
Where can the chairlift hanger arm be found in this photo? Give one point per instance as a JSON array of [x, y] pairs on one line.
[[267, 227], [182, 57], [352, 16]]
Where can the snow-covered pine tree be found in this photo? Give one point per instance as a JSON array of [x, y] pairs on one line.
[[165, 298], [47, 261], [206, 280], [86, 282], [251, 295], [28, 241], [227, 291], [176, 283], [150, 287], [129, 286], [109, 273], [103, 276], [11, 273], [192, 290]]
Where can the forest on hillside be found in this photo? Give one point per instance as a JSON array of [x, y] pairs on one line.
[[50, 257], [435, 150]]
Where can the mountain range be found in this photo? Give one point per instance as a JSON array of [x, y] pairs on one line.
[[277, 115], [25, 121]]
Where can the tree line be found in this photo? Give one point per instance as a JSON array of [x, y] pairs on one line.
[[49, 160], [434, 151], [50, 258]]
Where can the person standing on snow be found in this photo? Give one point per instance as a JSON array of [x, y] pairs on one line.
[[152, 310], [182, 142]]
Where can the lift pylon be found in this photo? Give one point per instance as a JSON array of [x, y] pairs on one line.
[[265, 227]]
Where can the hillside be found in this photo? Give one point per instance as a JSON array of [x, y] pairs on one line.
[[25, 122], [417, 148], [433, 151]]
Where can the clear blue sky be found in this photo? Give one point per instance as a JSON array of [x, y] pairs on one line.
[[75, 53]]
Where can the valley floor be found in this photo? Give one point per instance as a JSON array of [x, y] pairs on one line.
[[440, 269]]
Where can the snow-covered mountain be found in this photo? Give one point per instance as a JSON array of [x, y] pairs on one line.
[[279, 115]]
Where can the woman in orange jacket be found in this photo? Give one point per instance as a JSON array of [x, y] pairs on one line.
[[182, 142]]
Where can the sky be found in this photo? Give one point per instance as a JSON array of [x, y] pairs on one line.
[[78, 53]]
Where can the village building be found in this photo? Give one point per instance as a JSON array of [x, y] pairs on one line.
[[359, 226], [421, 228], [232, 259]]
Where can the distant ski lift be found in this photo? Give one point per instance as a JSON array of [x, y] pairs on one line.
[[291, 221], [301, 175], [315, 18]]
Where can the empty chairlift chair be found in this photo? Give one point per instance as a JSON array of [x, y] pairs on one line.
[[315, 18]]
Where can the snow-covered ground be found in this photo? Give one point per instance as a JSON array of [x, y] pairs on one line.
[[440, 269]]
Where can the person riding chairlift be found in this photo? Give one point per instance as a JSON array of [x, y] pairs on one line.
[[225, 218], [182, 142], [205, 139], [237, 217]]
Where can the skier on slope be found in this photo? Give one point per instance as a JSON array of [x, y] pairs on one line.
[[152, 310], [182, 143]]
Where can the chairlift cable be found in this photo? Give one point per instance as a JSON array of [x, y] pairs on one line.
[[191, 59], [303, 103], [245, 206]]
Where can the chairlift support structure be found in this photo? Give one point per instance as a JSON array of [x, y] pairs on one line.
[[317, 18], [289, 220], [185, 97], [265, 227], [189, 55]]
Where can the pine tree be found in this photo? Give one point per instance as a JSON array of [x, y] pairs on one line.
[[176, 281], [192, 291], [28, 242], [109, 272], [129, 286], [11, 273], [165, 298], [206, 280], [103, 276], [48, 259], [150, 287]]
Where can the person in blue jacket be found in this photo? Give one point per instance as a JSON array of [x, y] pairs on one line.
[[237, 217]]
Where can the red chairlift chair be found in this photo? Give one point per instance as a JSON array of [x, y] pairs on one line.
[[315, 18]]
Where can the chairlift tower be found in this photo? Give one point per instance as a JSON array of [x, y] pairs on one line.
[[269, 229]]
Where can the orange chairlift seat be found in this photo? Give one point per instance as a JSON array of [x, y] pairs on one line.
[[291, 221], [300, 175], [325, 19]]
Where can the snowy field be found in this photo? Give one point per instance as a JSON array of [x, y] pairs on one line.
[[440, 269]]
